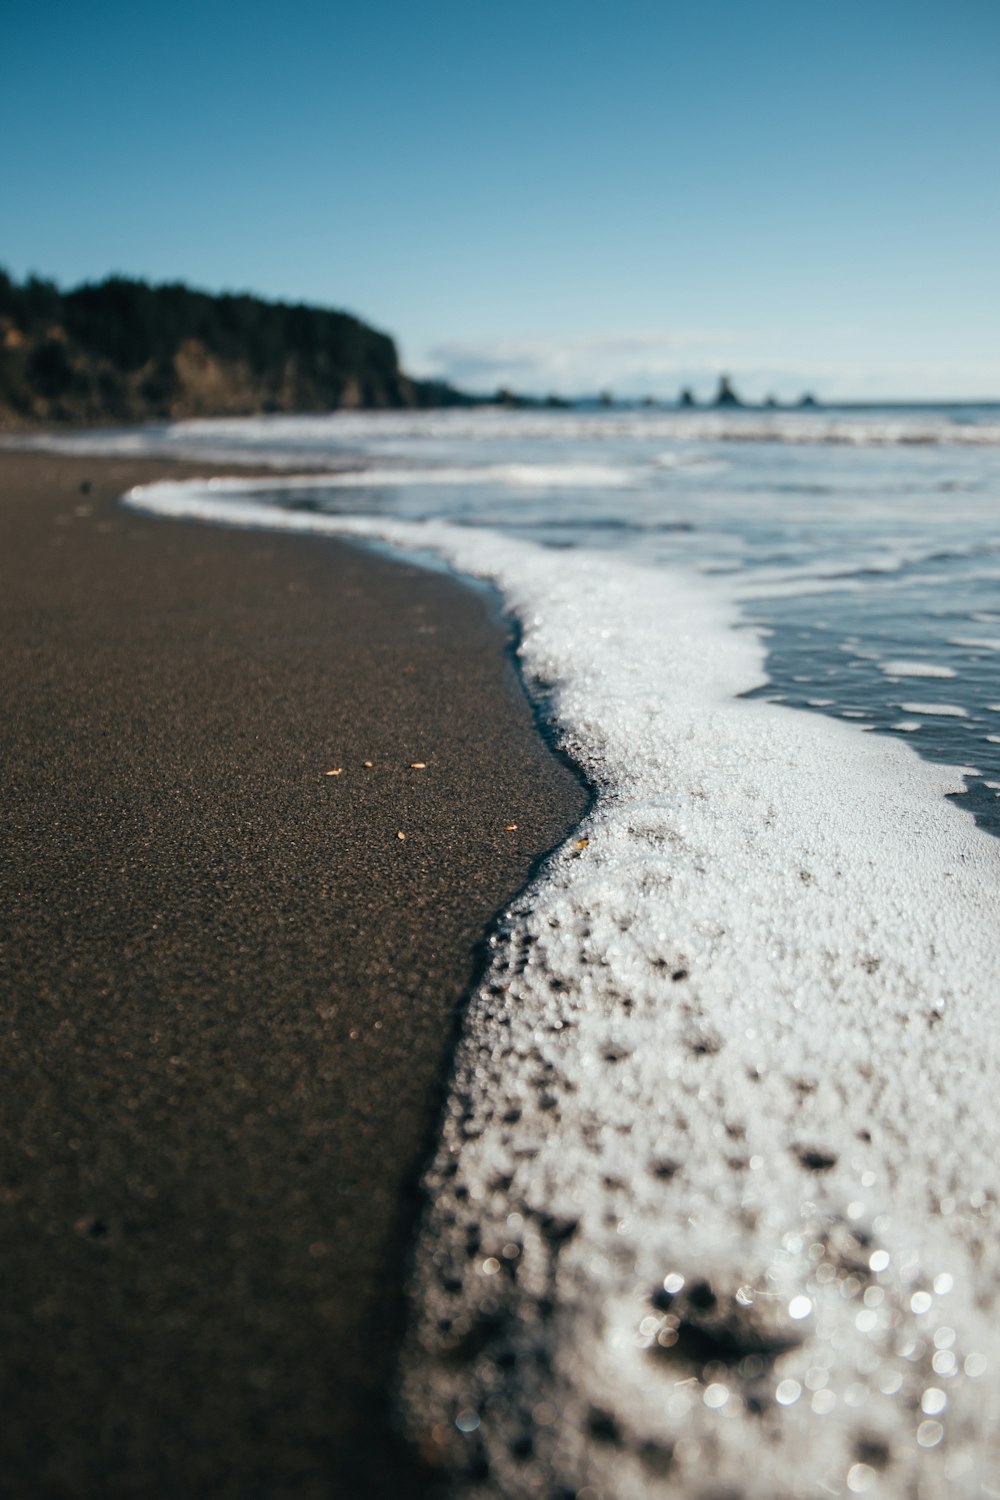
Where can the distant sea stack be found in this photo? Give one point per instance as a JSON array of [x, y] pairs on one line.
[[124, 351], [725, 396]]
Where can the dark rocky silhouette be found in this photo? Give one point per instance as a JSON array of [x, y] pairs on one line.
[[124, 351], [686, 398], [809, 402], [725, 396]]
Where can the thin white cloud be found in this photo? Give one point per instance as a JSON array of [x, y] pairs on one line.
[[658, 363], [639, 361]]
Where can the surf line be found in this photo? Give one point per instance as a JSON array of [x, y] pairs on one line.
[[719, 1156]]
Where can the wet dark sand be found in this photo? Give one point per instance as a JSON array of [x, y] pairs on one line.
[[227, 989]]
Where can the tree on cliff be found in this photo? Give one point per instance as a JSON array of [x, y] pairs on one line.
[[123, 350]]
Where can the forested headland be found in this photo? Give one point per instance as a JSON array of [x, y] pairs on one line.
[[122, 350]]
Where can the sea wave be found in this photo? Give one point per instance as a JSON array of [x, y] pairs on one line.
[[298, 440], [536, 476], [714, 1197], [872, 428]]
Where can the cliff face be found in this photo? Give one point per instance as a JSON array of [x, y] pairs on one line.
[[123, 351]]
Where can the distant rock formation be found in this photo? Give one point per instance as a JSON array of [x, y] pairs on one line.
[[686, 398], [125, 351], [808, 402], [725, 395]]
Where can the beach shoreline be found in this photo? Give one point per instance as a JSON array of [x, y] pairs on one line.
[[229, 985]]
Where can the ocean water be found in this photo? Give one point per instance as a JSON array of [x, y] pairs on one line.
[[711, 1211], [863, 541]]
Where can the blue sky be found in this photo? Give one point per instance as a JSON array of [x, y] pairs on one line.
[[552, 195]]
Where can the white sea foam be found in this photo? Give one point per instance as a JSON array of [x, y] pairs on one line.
[[939, 710], [520, 476], [915, 669], [284, 441], [976, 642], [713, 1204], [859, 429], [837, 428]]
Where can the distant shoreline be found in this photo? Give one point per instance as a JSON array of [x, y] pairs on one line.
[[123, 351], [15, 436]]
